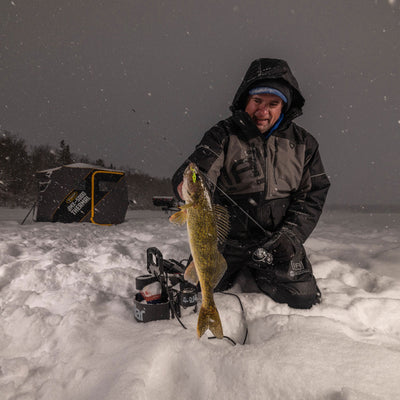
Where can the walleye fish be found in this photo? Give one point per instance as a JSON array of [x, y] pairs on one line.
[[207, 226]]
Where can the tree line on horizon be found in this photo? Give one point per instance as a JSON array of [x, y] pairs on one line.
[[18, 165]]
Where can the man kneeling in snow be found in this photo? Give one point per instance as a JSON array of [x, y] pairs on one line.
[[268, 172]]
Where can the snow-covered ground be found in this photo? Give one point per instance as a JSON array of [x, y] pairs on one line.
[[67, 329]]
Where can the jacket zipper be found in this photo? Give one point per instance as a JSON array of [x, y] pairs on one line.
[[274, 167], [265, 167]]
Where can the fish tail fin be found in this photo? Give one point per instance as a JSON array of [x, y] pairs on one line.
[[209, 319]]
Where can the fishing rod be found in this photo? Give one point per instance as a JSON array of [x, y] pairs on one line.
[[266, 233]]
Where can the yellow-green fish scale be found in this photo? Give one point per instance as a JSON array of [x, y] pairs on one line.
[[203, 243]]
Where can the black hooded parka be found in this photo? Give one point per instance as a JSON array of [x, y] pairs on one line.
[[278, 180]]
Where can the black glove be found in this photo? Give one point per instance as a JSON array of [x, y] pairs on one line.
[[282, 247], [287, 257]]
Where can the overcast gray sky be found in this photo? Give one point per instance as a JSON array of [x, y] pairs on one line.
[[137, 83]]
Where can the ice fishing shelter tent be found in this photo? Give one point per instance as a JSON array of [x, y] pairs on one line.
[[82, 193]]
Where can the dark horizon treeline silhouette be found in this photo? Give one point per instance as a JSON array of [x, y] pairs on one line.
[[18, 165]]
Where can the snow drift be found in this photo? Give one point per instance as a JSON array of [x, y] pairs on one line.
[[67, 330]]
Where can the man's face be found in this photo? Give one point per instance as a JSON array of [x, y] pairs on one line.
[[264, 110]]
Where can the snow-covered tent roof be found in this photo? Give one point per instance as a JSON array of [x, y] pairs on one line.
[[79, 165]]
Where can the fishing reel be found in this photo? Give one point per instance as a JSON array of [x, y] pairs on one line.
[[163, 291]]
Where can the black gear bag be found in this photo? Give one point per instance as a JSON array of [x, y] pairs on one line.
[[175, 291]]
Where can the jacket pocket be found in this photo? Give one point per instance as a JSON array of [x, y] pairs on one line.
[[288, 164]]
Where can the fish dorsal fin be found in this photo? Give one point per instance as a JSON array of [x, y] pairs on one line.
[[223, 223]]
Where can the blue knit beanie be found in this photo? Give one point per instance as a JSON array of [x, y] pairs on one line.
[[273, 86], [268, 90]]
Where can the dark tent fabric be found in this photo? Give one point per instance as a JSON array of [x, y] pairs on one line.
[[82, 193]]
